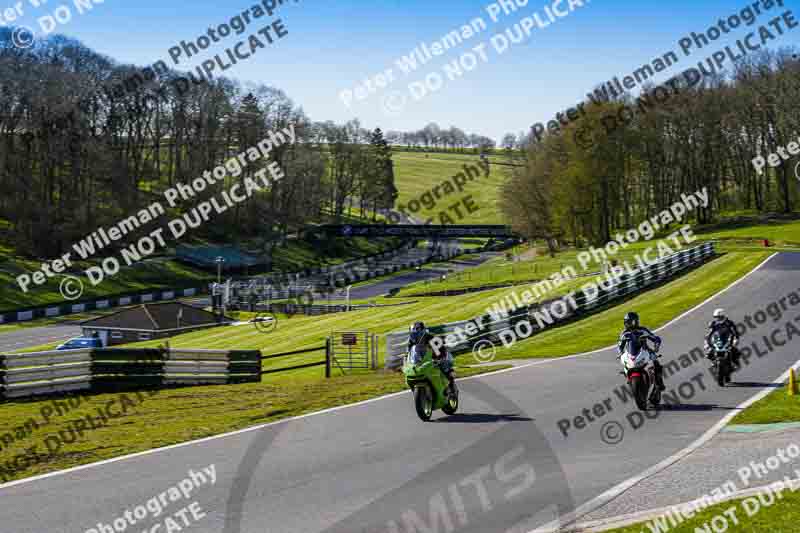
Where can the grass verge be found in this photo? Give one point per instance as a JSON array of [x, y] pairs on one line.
[[775, 408]]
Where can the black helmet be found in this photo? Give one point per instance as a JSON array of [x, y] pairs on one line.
[[418, 331], [631, 320]]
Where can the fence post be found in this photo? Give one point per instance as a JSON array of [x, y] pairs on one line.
[[328, 357]]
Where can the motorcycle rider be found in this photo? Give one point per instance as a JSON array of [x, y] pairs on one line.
[[421, 336], [725, 326], [635, 332]]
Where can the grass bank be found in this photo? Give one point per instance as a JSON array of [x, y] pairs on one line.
[[775, 408], [416, 174]]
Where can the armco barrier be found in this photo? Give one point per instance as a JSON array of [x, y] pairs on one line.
[[491, 328], [246, 293], [32, 374], [101, 303]]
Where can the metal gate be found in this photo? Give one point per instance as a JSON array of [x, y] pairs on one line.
[[353, 350]]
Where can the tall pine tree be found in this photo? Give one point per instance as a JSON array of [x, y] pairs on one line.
[[382, 189]]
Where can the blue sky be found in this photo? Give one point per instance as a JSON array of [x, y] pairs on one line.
[[334, 45]]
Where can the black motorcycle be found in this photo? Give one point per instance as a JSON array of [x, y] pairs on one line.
[[722, 358]]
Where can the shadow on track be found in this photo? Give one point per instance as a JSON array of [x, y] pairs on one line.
[[692, 407], [755, 384], [475, 418]]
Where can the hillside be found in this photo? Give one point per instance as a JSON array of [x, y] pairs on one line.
[[418, 173]]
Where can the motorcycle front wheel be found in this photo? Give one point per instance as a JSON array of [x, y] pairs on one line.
[[655, 397], [451, 405], [423, 401], [722, 372], [639, 386]]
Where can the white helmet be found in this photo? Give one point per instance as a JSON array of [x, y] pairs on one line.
[[719, 313]]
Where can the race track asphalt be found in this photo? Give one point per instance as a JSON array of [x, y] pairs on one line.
[[500, 465], [35, 336]]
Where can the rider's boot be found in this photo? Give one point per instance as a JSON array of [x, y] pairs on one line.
[[735, 359], [659, 372], [452, 379]]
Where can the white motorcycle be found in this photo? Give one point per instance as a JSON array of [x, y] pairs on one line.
[[638, 370]]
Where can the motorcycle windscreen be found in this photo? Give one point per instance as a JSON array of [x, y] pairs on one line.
[[720, 339], [417, 354], [634, 346]]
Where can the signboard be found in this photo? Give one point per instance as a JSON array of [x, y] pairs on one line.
[[349, 339]]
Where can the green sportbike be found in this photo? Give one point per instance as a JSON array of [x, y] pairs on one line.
[[430, 385]]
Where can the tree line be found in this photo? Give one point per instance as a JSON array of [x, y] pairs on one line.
[[62, 179], [630, 158], [434, 137]]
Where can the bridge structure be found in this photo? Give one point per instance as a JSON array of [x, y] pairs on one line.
[[429, 231]]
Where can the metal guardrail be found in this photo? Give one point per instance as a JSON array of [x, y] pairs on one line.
[[417, 230], [33, 374], [247, 294], [296, 277], [97, 304], [554, 311]]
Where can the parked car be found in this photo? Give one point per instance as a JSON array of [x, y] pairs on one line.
[[79, 343]]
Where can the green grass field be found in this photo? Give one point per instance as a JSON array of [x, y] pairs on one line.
[[495, 156], [779, 232], [416, 174]]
